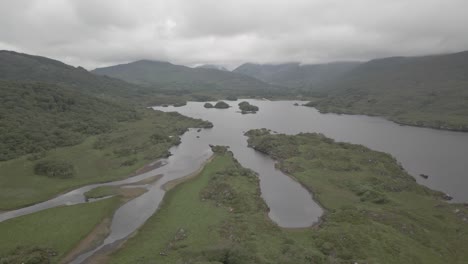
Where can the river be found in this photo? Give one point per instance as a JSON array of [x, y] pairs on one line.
[[439, 154]]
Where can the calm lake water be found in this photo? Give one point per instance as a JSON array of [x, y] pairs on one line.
[[440, 154], [443, 155]]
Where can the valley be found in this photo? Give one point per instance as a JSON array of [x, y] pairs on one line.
[[152, 161]]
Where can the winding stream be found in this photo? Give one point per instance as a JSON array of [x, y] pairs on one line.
[[440, 154]]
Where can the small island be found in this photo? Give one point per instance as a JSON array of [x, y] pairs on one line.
[[231, 98], [247, 108], [221, 105], [208, 105]]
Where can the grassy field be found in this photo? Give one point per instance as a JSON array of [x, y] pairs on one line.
[[216, 217], [48, 235], [102, 158], [375, 212]]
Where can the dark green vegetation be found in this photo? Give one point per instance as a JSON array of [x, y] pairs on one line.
[[37, 117], [303, 78], [221, 105], [430, 91], [23, 67], [62, 127], [108, 156], [45, 237], [375, 211], [247, 108], [216, 217], [208, 105], [173, 79], [54, 169]]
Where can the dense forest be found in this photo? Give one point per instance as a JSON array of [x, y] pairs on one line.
[[39, 116]]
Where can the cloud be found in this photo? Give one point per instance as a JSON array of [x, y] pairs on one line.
[[229, 32]]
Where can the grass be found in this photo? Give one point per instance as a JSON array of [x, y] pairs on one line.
[[216, 217], [50, 234], [376, 212], [103, 158]]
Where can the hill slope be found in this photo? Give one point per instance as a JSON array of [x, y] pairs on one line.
[[37, 116], [18, 66], [164, 75], [295, 75], [424, 91]]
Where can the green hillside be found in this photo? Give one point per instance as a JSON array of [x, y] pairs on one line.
[[23, 67], [167, 76], [63, 127], [427, 91], [308, 77], [37, 116]]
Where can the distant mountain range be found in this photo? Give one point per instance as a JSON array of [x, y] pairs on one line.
[[295, 75], [213, 67], [425, 91], [23, 67], [168, 76]]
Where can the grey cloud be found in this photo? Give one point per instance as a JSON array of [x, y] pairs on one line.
[[96, 33]]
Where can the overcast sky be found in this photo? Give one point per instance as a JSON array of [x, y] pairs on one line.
[[94, 33]]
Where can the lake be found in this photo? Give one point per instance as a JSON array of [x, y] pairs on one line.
[[439, 154], [443, 155]]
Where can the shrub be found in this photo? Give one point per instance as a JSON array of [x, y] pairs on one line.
[[221, 105], [55, 169]]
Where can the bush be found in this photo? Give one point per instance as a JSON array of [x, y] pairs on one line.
[[208, 105], [247, 108], [221, 105], [54, 169]]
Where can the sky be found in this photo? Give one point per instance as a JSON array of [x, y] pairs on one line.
[[95, 33]]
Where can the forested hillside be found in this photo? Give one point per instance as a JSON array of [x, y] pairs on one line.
[[424, 91], [167, 76], [39, 116], [23, 67]]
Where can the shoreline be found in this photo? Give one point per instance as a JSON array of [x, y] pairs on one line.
[[391, 119], [173, 183], [99, 233], [100, 257], [143, 169]]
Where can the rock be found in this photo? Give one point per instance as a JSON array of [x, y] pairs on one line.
[[424, 176], [447, 197]]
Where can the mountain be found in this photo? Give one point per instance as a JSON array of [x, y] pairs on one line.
[[295, 75], [213, 67], [164, 75], [424, 91], [18, 66]]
